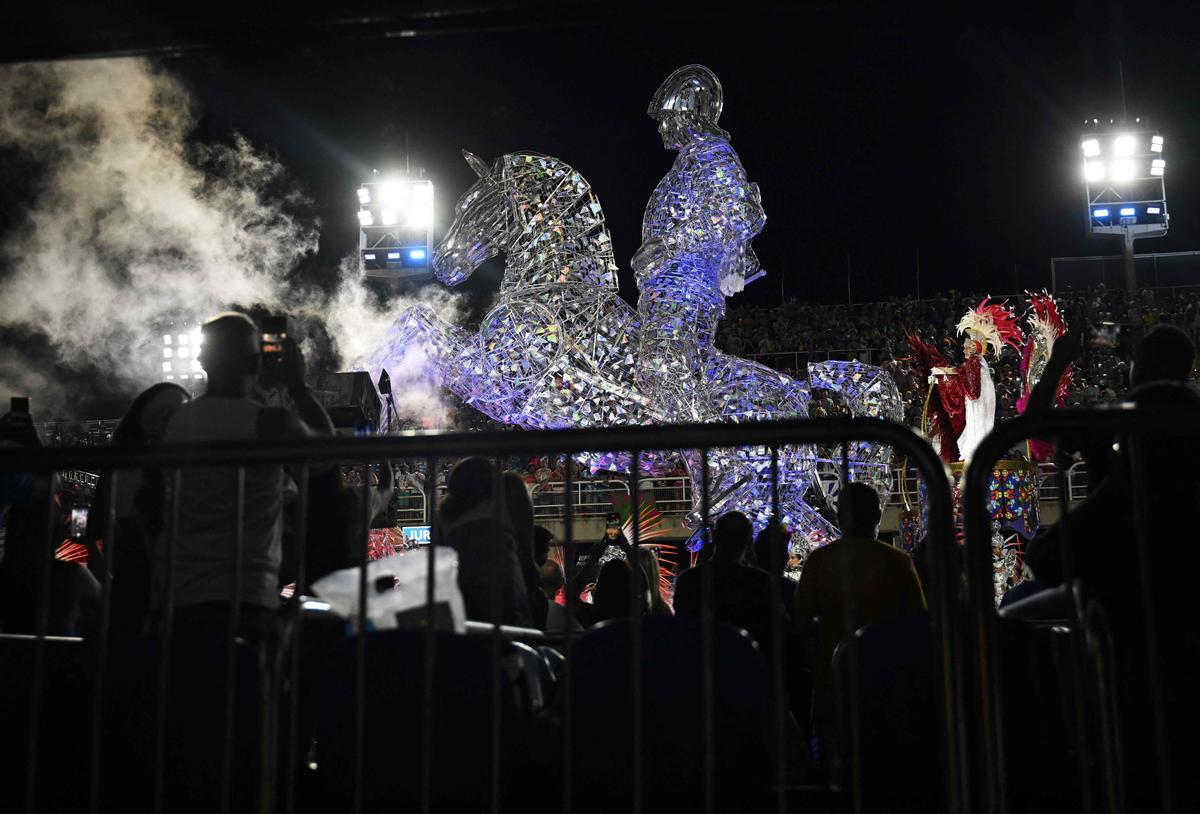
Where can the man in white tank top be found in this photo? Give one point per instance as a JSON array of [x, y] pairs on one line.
[[205, 546]]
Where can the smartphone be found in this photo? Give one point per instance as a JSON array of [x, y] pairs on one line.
[[273, 337], [19, 405], [79, 520]]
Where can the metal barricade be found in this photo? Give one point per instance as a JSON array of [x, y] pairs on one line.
[[280, 656], [1099, 763]]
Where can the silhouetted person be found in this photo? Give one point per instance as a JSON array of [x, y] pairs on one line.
[[610, 597], [543, 541], [649, 580], [558, 618], [231, 356], [144, 422], [771, 555], [881, 582], [520, 509], [1095, 544], [73, 591], [612, 546], [741, 594], [487, 553], [1165, 354]]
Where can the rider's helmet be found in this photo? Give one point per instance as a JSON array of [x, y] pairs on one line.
[[692, 90]]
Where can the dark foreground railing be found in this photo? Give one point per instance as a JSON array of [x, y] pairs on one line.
[[1076, 617], [283, 677]]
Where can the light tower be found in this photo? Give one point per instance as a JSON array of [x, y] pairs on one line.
[[395, 218], [1126, 196]]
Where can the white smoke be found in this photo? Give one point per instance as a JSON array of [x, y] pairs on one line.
[[362, 332], [133, 225]]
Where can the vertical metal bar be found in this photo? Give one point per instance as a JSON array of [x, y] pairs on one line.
[[944, 612], [41, 623], [166, 636], [1111, 768], [499, 516], [1137, 460], [235, 607], [296, 642], [1078, 644], [981, 598], [110, 552], [706, 643], [635, 625], [774, 567], [427, 717], [360, 642], [567, 678], [850, 611]]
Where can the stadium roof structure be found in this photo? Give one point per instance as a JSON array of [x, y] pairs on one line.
[[74, 29]]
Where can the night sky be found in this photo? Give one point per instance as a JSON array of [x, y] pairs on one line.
[[874, 134], [877, 133]]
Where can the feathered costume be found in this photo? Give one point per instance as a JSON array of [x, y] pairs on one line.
[[936, 422], [1046, 325], [961, 406]]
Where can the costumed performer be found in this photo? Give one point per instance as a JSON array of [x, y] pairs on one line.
[[1046, 327], [960, 409]]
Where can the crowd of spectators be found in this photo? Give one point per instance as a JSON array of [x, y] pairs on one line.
[[514, 573], [789, 335]]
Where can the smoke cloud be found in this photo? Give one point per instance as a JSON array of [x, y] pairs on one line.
[[133, 226]]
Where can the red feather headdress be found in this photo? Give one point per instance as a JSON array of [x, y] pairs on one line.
[[994, 325]]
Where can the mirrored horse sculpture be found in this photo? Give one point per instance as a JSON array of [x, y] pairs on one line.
[[562, 349]]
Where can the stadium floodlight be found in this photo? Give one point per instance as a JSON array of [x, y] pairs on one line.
[[1123, 169], [396, 227], [180, 360]]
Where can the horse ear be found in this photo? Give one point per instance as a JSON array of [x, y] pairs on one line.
[[478, 164]]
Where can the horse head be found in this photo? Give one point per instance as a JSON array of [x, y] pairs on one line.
[[481, 229]]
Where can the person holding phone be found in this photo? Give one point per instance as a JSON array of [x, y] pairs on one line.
[[233, 352]]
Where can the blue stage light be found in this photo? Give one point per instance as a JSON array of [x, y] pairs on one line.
[[393, 255], [1100, 213], [416, 254], [1153, 210], [1128, 211]]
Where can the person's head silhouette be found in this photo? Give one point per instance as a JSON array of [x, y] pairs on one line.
[[858, 511], [732, 536], [1165, 354], [230, 353]]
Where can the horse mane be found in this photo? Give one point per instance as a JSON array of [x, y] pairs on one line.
[[558, 218]]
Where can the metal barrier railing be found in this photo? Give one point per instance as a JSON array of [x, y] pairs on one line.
[[1130, 427], [277, 788]]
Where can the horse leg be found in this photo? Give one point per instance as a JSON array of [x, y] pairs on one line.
[[423, 351]]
